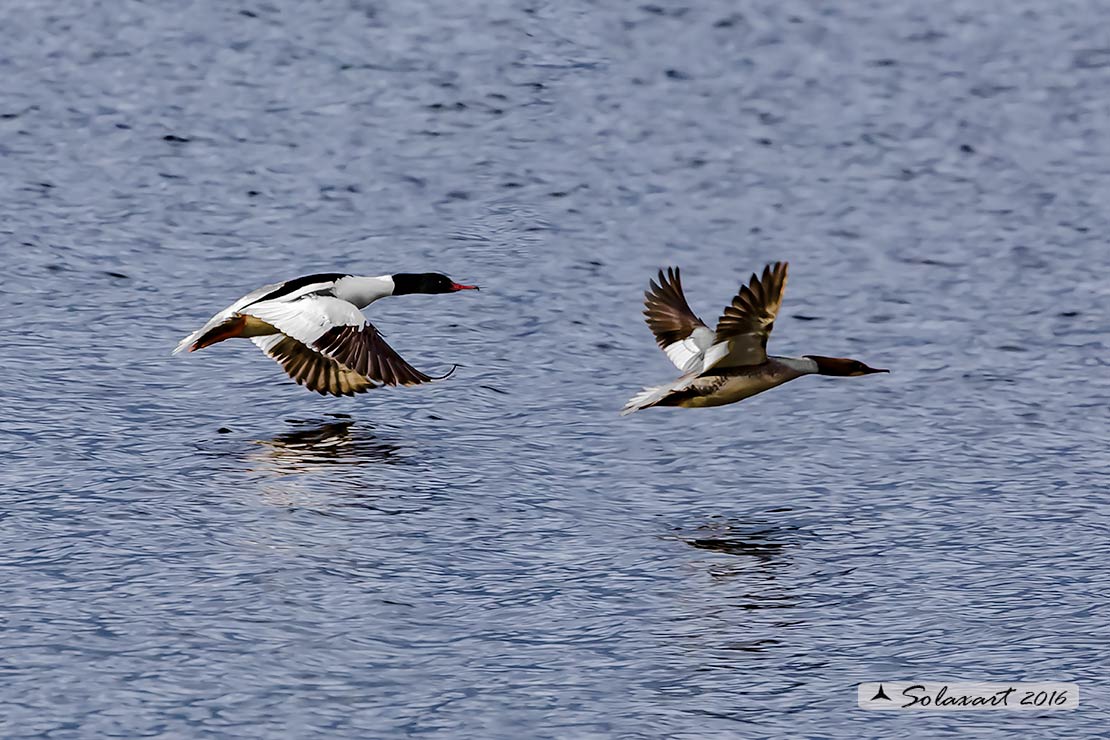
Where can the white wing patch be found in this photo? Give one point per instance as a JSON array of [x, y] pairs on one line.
[[687, 354]]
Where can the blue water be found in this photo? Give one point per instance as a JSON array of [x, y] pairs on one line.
[[196, 547]]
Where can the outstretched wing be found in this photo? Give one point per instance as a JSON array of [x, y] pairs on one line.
[[310, 368], [680, 334], [334, 329], [745, 325], [365, 351]]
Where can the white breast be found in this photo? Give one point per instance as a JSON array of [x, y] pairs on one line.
[[362, 291]]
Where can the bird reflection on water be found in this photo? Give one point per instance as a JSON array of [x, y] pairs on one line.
[[328, 467], [755, 540], [324, 443], [756, 581]]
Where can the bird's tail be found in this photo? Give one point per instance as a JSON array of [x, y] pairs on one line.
[[186, 342], [645, 399], [655, 395], [211, 333]]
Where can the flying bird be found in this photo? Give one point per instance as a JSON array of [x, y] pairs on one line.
[[314, 328], [730, 363]]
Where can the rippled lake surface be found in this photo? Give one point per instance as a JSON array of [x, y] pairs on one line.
[[196, 547]]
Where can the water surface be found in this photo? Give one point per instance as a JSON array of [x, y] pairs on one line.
[[198, 548]]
